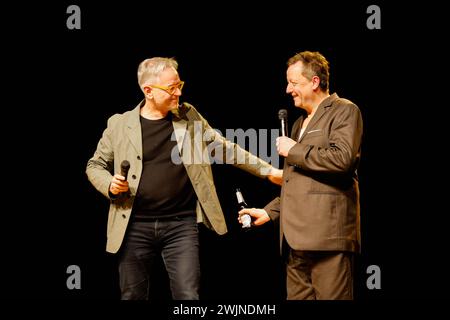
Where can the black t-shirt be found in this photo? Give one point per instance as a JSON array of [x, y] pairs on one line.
[[164, 189]]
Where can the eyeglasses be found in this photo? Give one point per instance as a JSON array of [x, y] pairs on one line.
[[170, 89]]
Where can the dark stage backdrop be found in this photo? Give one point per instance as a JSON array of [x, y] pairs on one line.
[[66, 83]]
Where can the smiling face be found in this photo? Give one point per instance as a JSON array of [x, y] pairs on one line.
[[163, 100], [299, 87]]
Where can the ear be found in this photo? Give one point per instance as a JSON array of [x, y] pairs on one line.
[[316, 82], [148, 92]]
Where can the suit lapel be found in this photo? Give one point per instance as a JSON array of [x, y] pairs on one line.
[[296, 128], [321, 109]]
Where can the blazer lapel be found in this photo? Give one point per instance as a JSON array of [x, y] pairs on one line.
[[319, 113], [134, 129], [179, 126]]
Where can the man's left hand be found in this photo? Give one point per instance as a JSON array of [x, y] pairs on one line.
[[275, 176]]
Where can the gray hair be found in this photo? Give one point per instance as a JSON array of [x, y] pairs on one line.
[[150, 69]]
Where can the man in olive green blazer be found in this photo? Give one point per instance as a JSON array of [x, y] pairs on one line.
[[192, 141]]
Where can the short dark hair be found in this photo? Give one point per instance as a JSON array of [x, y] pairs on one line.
[[314, 64]]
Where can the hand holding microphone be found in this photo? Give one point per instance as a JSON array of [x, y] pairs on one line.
[[124, 167], [119, 183], [284, 143]]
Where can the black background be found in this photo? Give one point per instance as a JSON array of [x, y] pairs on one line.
[[64, 84]]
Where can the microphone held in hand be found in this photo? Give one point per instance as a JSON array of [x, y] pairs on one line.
[[282, 115], [124, 167]]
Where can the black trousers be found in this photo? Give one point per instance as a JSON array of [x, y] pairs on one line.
[[176, 240]]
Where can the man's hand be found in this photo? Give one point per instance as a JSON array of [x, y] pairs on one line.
[[275, 176], [118, 184], [260, 215], [284, 144]]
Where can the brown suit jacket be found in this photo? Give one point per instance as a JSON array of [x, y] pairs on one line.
[[319, 203]]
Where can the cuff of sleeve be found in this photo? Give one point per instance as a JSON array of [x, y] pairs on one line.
[[273, 209], [112, 196], [297, 155]]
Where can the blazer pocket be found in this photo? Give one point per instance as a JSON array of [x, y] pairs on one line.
[[314, 133], [319, 187], [317, 137]]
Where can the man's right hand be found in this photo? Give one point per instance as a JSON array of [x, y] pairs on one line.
[[118, 184], [260, 215]]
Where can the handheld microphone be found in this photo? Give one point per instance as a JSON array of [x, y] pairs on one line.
[[282, 115], [124, 167]]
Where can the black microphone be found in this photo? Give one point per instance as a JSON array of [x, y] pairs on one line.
[[124, 167], [282, 115]]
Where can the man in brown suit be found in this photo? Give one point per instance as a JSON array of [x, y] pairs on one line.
[[319, 203]]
